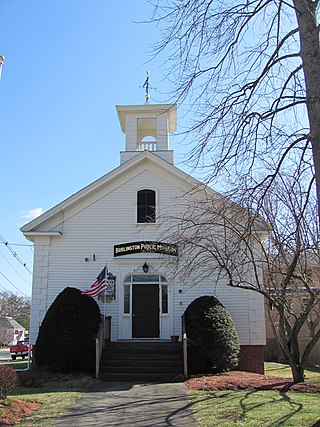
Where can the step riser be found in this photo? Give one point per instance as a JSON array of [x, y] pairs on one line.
[[142, 378], [144, 347], [143, 363], [151, 356], [139, 370], [147, 352]]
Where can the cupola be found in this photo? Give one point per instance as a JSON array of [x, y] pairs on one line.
[[147, 127]]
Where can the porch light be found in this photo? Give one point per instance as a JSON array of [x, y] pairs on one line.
[[145, 267]]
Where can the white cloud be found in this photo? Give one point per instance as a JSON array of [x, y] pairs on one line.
[[31, 213]]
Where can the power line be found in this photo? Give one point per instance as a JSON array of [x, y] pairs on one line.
[[14, 253], [28, 283], [13, 284], [11, 293], [4, 296], [16, 244]]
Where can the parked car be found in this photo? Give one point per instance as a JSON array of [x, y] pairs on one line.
[[21, 349]]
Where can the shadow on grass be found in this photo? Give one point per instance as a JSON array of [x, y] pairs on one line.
[[282, 419], [251, 405]]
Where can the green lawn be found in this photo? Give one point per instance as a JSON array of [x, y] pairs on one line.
[[54, 399], [253, 408]]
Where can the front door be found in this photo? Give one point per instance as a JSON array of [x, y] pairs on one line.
[[145, 311]]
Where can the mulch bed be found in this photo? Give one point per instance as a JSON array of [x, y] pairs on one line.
[[238, 380], [18, 410]]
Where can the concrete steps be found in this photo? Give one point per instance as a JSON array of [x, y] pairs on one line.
[[142, 362]]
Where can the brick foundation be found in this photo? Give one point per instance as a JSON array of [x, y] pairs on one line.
[[251, 358]]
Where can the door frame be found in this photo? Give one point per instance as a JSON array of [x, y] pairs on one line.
[[166, 319]]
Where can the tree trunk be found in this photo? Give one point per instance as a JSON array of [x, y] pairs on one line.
[[297, 373], [310, 55]]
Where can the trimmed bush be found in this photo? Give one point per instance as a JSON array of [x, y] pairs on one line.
[[66, 339], [8, 380], [210, 329]]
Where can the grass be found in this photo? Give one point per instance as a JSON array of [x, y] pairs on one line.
[[54, 399], [52, 405], [253, 408]]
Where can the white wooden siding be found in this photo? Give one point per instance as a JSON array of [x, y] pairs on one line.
[[107, 217]]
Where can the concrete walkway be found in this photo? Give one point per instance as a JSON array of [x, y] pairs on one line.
[[127, 404]]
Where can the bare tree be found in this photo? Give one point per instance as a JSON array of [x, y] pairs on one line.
[[249, 74], [15, 306], [275, 253]]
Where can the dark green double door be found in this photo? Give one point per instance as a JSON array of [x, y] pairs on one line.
[[145, 311]]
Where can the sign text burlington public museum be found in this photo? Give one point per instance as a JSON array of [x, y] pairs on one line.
[[137, 247]]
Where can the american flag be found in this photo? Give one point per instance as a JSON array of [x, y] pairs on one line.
[[99, 285]]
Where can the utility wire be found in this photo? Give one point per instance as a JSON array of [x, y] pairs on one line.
[[10, 292], [17, 244], [13, 284], [28, 283], [4, 296], [14, 253]]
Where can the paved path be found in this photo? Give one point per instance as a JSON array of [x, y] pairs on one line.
[[127, 404]]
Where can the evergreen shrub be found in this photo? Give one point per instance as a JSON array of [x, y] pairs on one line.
[[66, 339], [212, 334]]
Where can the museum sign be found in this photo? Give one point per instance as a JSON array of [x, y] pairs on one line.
[[146, 247]]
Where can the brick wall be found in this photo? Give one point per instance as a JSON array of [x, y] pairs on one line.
[[251, 358]]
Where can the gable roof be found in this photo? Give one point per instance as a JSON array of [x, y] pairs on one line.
[[140, 158], [9, 323]]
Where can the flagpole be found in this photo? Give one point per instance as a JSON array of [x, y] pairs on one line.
[[1, 64], [105, 303]]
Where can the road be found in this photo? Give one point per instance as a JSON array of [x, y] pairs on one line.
[[5, 354]]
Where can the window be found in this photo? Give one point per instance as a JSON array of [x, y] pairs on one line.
[[126, 300], [151, 279], [146, 205], [164, 299]]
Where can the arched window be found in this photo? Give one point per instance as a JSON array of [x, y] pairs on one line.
[[146, 206]]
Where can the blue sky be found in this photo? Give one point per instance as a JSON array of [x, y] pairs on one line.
[[67, 64]]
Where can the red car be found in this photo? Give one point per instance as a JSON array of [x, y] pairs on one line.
[[21, 349]]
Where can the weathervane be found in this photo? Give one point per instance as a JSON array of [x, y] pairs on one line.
[[146, 86]]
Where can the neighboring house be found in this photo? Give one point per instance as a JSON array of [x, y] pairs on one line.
[[120, 218], [10, 331]]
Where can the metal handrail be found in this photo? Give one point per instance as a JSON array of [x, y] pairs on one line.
[[103, 335], [28, 363], [184, 347]]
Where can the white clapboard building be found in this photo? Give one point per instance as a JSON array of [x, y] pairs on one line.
[[117, 220]]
